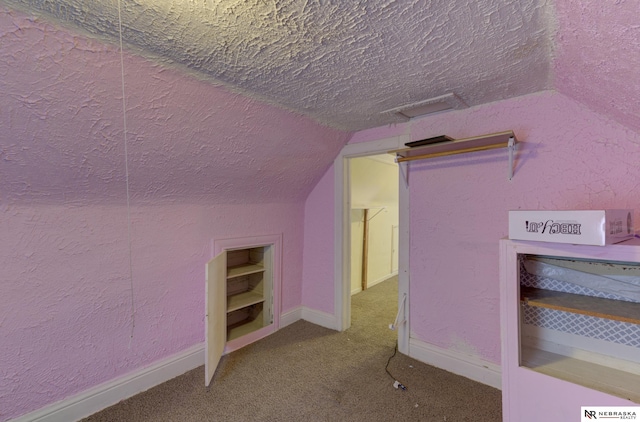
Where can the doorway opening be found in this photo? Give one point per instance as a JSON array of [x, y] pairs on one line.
[[344, 204], [373, 220]]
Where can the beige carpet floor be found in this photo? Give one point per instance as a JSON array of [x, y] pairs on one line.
[[308, 373]]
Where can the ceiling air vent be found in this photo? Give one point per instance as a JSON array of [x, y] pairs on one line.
[[432, 105]]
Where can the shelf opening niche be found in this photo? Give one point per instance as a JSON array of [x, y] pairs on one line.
[[242, 291], [580, 321], [249, 283]]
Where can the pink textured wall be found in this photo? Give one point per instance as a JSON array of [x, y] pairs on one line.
[[318, 259], [205, 163], [570, 158], [597, 56], [189, 140], [66, 306]]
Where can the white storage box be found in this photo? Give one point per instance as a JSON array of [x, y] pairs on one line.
[[581, 227]]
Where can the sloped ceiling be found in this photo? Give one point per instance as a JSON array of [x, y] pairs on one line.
[[342, 63], [63, 137], [274, 87], [598, 57]]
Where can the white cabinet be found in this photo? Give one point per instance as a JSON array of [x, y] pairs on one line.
[[240, 284], [566, 344]]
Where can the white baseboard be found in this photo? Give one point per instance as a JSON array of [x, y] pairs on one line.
[[290, 317], [381, 279], [109, 393], [322, 319], [468, 366], [373, 283]]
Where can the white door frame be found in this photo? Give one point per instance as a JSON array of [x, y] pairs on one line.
[[342, 235]]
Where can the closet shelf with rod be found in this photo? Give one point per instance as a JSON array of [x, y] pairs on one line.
[[505, 139]]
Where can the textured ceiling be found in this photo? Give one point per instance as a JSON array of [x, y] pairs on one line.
[[228, 135], [62, 132], [342, 63]]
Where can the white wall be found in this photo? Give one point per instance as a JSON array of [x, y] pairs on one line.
[[374, 186], [380, 244]]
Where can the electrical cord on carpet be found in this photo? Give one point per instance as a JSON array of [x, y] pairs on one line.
[[398, 321], [396, 384]]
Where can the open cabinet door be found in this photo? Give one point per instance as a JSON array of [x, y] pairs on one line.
[[216, 317]]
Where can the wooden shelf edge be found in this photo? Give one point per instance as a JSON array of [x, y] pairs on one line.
[[476, 143], [244, 269], [447, 153], [580, 304], [242, 300], [244, 327]]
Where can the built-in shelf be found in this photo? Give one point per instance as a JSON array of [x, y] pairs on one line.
[[598, 377], [580, 304], [557, 345], [239, 295], [457, 146], [242, 328], [244, 269], [242, 300]]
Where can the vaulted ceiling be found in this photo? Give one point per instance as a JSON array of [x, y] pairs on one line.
[[347, 65], [343, 63]]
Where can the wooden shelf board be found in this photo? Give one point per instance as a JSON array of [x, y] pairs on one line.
[[579, 304], [458, 146], [244, 327], [244, 269], [597, 377], [242, 300]]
